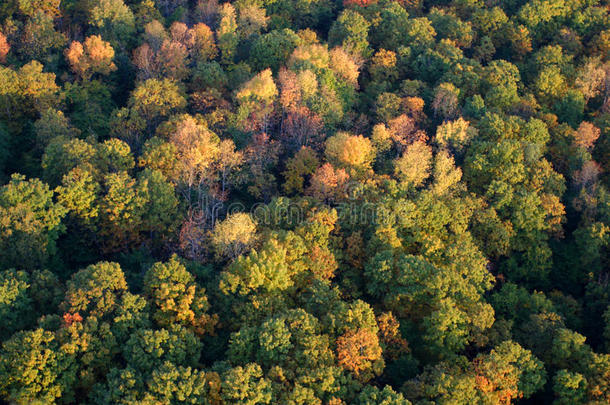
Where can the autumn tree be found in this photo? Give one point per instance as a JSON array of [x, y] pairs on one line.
[[352, 152], [227, 32], [5, 47], [359, 352], [176, 298], [93, 56], [256, 99], [234, 236]]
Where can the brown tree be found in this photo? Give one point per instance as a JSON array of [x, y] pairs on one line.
[[328, 183]]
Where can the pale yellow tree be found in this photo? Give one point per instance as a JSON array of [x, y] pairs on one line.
[[413, 167], [234, 236], [454, 134]]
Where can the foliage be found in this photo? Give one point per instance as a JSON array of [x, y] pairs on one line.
[[304, 202]]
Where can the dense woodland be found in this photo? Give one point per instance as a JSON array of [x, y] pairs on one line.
[[305, 202]]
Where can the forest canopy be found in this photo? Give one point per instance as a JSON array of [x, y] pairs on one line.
[[305, 202]]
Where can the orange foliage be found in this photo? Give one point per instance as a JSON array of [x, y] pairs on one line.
[[94, 56], [290, 92], [503, 383], [4, 48], [69, 319], [204, 47], [356, 350], [414, 107], [404, 131]]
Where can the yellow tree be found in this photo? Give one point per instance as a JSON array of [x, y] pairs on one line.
[[234, 236], [256, 99], [196, 149], [354, 153], [413, 167]]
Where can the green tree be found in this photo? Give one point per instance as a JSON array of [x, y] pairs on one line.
[[30, 223], [16, 306], [350, 31], [34, 369]]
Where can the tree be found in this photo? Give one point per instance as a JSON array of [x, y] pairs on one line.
[[121, 211], [113, 19], [173, 384], [455, 134], [328, 183], [359, 352], [39, 39], [245, 385], [569, 388], [149, 349], [197, 148], [227, 33], [15, 302], [156, 98], [51, 124], [586, 135], [161, 217], [302, 128], [352, 152], [30, 223], [94, 56], [150, 102], [35, 369], [345, 66], [205, 47], [95, 290], [413, 167], [176, 298], [590, 79], [550, 84], [304, 163], [256, 98], [391, 31], [372, 395], [273, 49], [234, 236], [445, 104], [447, 318], [5, 47], [350, 31], [508, 372]]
